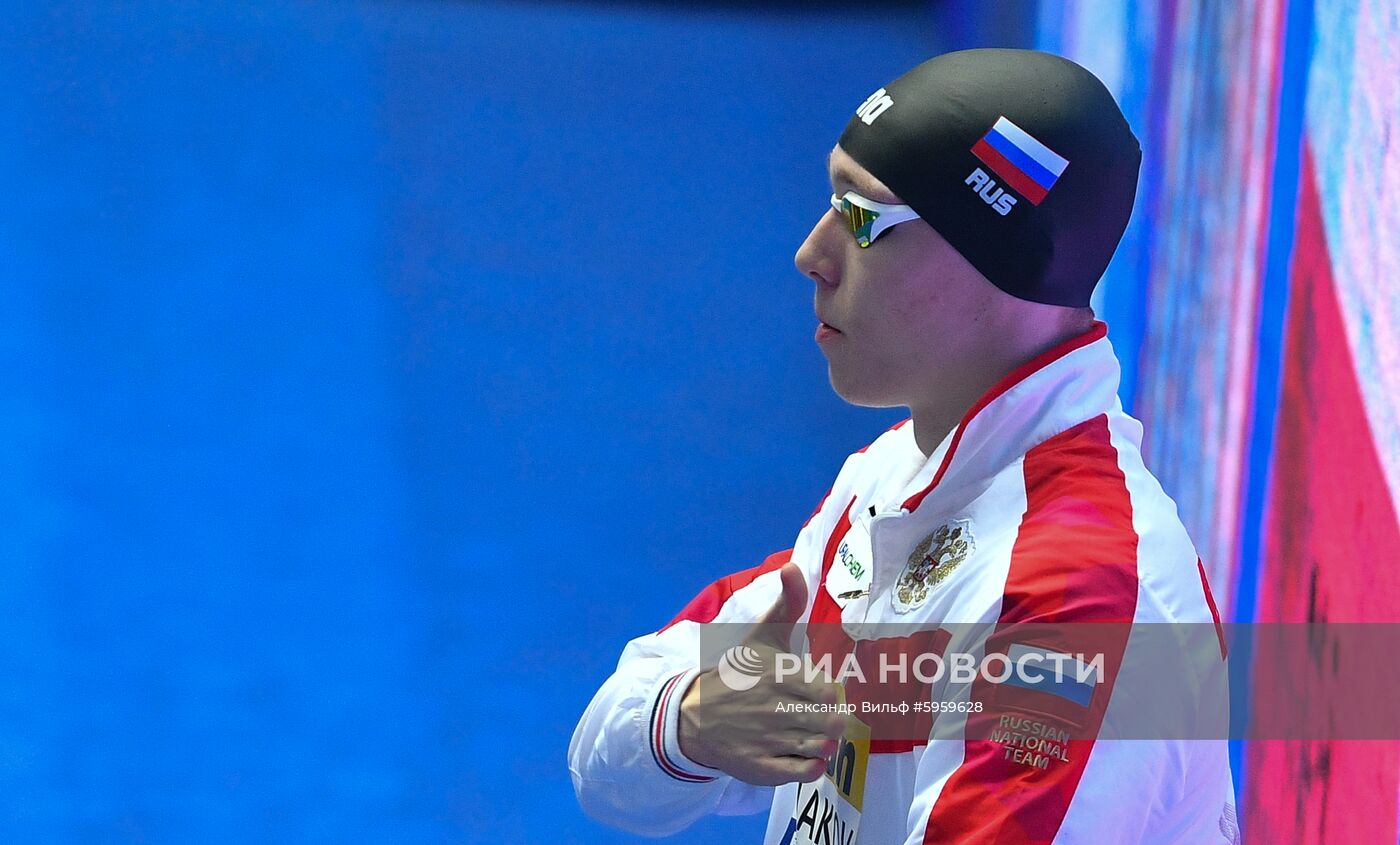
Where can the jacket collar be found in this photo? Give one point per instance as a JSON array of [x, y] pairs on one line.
[[1058, 389]]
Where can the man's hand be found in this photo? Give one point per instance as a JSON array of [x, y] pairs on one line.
[[743, 733]]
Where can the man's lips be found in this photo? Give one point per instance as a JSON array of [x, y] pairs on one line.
[[825, 331]]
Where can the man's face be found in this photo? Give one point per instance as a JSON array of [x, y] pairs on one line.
[[906, 309]]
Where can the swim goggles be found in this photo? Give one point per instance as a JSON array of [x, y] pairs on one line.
[[867, 218]]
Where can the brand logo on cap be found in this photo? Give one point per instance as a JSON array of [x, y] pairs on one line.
[[874, 106], [1029, 167]]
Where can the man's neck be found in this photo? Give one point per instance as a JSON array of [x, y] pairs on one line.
[[931, 425], [935, 418], [946, 405]]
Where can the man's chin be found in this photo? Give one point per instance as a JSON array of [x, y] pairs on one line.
[[861, 394]]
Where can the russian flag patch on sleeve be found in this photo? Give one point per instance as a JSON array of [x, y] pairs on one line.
[[1028, 166], [1052, 672]]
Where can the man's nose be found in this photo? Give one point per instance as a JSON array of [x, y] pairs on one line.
[[818, 257]]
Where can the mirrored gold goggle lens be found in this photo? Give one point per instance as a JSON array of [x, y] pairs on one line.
[[856, 217], [859, 220]]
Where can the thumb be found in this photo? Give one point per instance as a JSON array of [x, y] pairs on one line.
[[774, 627]]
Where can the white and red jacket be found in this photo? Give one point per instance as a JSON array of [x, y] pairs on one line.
[[1064, 524]]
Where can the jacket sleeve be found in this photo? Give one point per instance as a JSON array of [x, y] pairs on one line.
[[626, 764]]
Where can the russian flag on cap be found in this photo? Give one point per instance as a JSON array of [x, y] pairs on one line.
[[1028, 166]]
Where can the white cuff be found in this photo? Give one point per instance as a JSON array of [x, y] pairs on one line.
[[664, 731]]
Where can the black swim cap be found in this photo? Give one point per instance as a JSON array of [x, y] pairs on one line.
[[1019, 159]]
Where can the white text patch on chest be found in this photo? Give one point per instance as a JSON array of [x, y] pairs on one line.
[[849, 576]]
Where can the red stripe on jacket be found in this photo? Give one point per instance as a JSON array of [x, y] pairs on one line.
[[1214, 613], [1074, 561]]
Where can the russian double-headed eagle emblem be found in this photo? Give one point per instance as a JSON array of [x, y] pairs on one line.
[[933, 560]]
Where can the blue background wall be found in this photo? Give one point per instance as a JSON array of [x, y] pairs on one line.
[[373, 371]]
